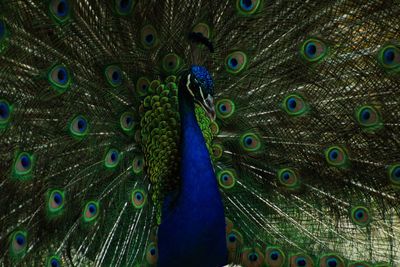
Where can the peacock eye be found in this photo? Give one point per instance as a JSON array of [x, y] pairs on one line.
[[389, 57], [113, 75], [301, 261], [23, 164], [202, 28], [79, 126], [336, 156], [217, 151], [214, 128], [226, 179], [5, 112], [59, 78], [234, 240], [54, 261], [55, 201], [60, 10], [138, 198], [142, 86], [394, 174], [247, 7], [152, 254], [360, 216], [124, 7], [294, 105], [368, 117], [19, 243], [331, 260], [171, 63], [252, 257], [250, 142], [138, 164], [127, 122], [235, 62], [288, 178], [225, 108], [274, 257], [149, 36], [112, 158], [313, 50], [91, 211]]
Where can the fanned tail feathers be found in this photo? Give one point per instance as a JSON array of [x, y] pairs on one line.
[[305, 146]]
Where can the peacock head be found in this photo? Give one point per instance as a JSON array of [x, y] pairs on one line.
[[200, 86]]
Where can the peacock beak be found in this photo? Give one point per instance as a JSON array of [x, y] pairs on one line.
[[208, 105]]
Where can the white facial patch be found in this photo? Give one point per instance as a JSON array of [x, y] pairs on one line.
[[188, 85]]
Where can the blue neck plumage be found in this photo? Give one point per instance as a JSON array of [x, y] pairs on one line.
[[196, 170], [192, 232]]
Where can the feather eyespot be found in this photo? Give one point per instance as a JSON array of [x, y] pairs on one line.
[[360, 215], [149, 36], [394, 174], [247, 7], [138, 164], [55, 201], [142, 86], [54, 261], [368, 117], [250, 142], [331, 260], [214, 128], [79, 126], [235, 62], [217, 151], [5, 113], [124, 7], [23, 165], [152, 253], [19, 243], [313, 50], [301, 261], [294, 105], [60, 10], [234, 241], [225, 108], [113, 75], [288, 178], [226, 179], [252, 257], [336, 156], [59, 78], [91, 211], [171, 63], [138, 198], [127, 121], [112, 158], [202, 28], [274, 257], [389, 57]]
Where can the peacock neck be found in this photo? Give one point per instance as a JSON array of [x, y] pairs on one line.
[[198, 182], [192, 231]]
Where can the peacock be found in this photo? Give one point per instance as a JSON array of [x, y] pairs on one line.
[[200, 133]]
